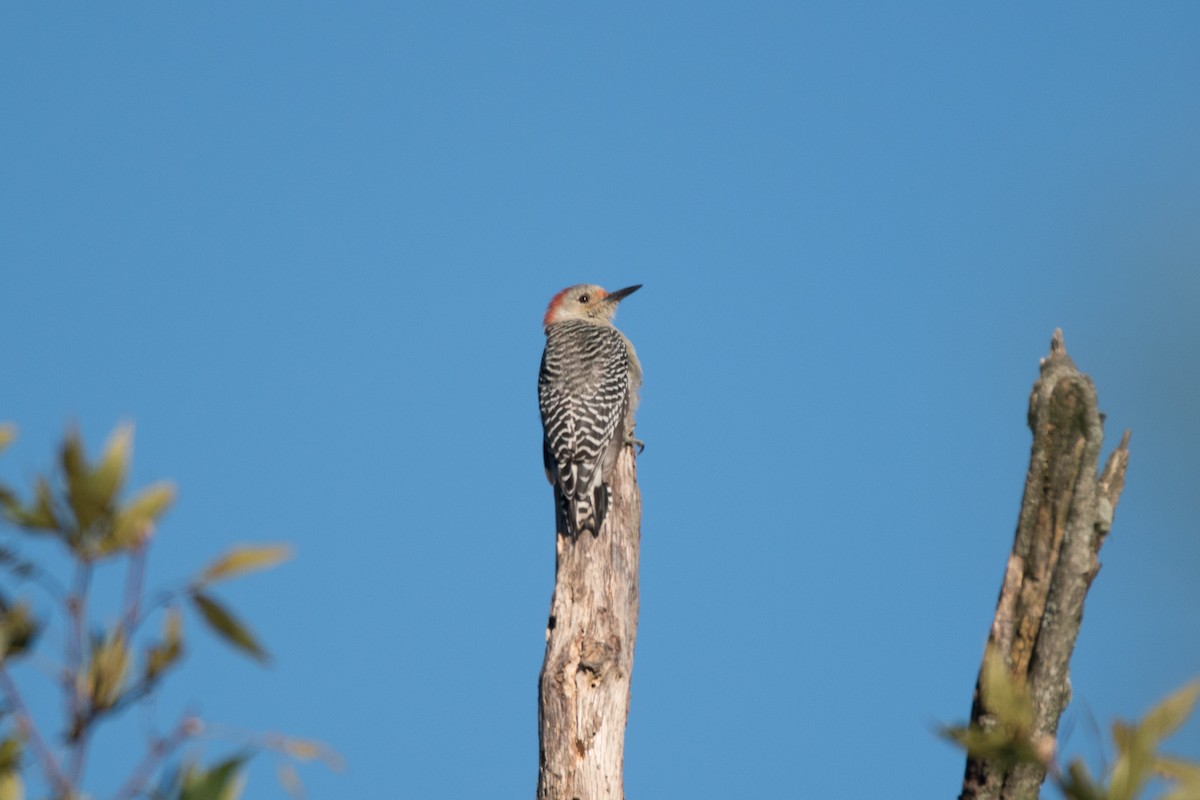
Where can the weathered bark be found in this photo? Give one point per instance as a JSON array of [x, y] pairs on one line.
[[583, 695], [1065, 515]]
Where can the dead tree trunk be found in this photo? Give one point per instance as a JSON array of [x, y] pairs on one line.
[[1065, 515], [583, 693]]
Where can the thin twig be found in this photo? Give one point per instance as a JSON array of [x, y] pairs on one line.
[[11, 562], [78, 754], [161, 599], [133, 589], [50, 766], [159, 750], [76, 615], [77, 729]]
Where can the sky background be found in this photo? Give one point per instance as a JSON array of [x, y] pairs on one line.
[[306, 248]]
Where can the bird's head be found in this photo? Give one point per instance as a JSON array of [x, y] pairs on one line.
[[586, 301]]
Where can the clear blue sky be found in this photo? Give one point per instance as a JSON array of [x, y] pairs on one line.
[[307, 249]]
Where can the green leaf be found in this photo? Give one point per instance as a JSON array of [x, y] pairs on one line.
[[1009, 739], [161, 656], [40, 516], [1166, 718], [134, 521], [8, 432], [241, 560], [1002, 744], [310, 749], [11, 787], [1137, 745], [44, 508], [1124, 735], [1178, 769], [227, 626], [1003, 696], [289, 779], [1078, 784], [1182, 793], [109, 476], [84, 492], [300, 749], [108, 670], [222, 782], [74, 462], [8, 499], [18, 629], [1185, 774], [1131, 769], [10, 753]]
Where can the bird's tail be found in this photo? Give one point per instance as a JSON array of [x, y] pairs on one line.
[[586, 512]]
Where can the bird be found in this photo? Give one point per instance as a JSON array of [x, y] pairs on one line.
[[587, 393]]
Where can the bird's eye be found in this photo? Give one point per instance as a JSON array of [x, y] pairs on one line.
[[583, 298]]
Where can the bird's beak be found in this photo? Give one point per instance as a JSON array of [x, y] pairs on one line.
[[621, 294]]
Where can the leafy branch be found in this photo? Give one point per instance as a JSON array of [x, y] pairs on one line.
[[1011, 740], [107, 669]]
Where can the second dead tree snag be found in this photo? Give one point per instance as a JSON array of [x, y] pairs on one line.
[[1066, 512]]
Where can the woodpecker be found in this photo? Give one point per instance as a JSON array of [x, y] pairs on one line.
[[587, 391]]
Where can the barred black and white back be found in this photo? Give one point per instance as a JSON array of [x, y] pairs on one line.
[[586, 390]]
